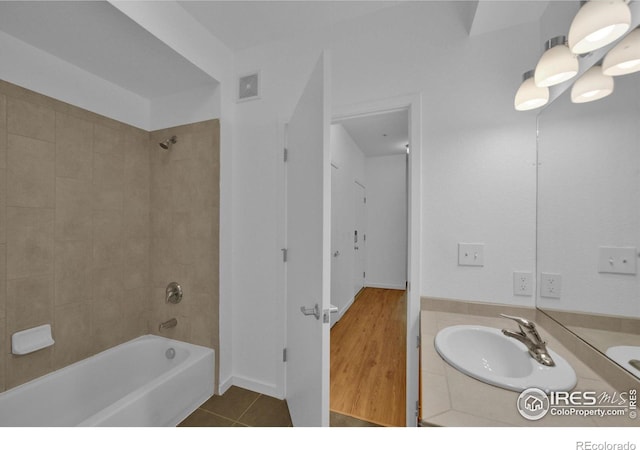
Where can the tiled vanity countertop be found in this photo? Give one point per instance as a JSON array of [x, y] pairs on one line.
[[453, 399]]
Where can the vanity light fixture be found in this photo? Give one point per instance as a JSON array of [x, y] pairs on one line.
[[624, 58], [557, 63], [591, 86], [598, 23], [530, 96]]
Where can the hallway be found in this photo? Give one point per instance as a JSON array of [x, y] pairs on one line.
[[368, 358]]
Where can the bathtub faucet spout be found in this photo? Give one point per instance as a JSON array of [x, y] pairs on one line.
[[171, 323]]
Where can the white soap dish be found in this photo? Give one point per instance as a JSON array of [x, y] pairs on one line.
[[28, 341]]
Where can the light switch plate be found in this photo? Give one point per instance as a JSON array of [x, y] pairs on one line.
[[617, 260], [470, 254], [550, 285]]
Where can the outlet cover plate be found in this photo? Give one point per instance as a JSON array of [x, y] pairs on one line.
[[523, 283], [617, 260], [550, 285], [470, 254]]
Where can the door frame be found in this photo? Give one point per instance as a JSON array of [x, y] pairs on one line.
[[413, 104]]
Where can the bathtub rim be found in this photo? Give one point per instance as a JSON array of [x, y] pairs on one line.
[[197, 353]]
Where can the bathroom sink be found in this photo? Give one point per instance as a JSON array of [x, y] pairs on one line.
[[487, 355], [628, 356]]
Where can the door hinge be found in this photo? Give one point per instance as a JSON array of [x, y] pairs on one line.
[[365, 199], [284, 355], [284, 254], [286, 155], [364, 274], [364, 237]]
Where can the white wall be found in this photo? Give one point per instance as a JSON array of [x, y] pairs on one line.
[[479, 186], [476, 147], [350, 167], [589, 184], [386, 264], [39, 71], [195, 105]]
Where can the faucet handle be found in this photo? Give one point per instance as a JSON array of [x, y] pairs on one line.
[[520, 321], [528, 325]]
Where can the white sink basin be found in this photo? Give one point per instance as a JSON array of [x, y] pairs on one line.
[[623, 354], [487, 355]]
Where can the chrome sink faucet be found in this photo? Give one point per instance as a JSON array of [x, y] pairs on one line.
[[530, 337]]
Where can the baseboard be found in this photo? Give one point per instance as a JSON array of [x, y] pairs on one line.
[[346, 307], [342, 312], [401, 286], [224, 385], [256, 386]]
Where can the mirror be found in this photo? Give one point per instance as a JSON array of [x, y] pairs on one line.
[[588, 230]]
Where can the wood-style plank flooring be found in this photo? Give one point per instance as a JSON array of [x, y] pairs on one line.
[[368, 358]]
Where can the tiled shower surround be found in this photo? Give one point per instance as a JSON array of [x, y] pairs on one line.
[[95, 220]]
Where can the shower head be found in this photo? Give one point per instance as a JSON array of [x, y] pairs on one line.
[[168, 142]]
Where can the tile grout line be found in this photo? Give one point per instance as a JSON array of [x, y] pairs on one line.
[[247, 410], [217, 415]]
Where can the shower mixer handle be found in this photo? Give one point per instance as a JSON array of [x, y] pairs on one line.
[[173, 293]]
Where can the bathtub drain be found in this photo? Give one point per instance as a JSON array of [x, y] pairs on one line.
[[170, 353]]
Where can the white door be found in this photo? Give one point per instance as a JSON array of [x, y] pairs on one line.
[[308, 178], [359, 237], [336, 248]]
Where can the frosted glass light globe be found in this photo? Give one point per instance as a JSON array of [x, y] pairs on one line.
[[557, 64], [530, 96], [592, 86], [598, 23], [624, 58]]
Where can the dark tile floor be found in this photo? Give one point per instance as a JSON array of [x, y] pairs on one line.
[[240, 407]]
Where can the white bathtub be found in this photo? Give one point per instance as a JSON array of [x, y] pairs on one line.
[[132, 384]]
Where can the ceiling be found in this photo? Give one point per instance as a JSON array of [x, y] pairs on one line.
[[380, 134], [243, 24], [494, 15], [96, 37]]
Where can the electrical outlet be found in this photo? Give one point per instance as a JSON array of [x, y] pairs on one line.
[[550, 285], [523, 283]]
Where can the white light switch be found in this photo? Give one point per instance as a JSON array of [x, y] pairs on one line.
[[470, 254], [617, 260]]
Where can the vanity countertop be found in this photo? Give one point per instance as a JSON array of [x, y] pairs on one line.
[[450, 398]]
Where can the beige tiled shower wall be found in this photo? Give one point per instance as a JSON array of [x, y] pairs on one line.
[[185, 183], [74, 231], [95, 220]]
